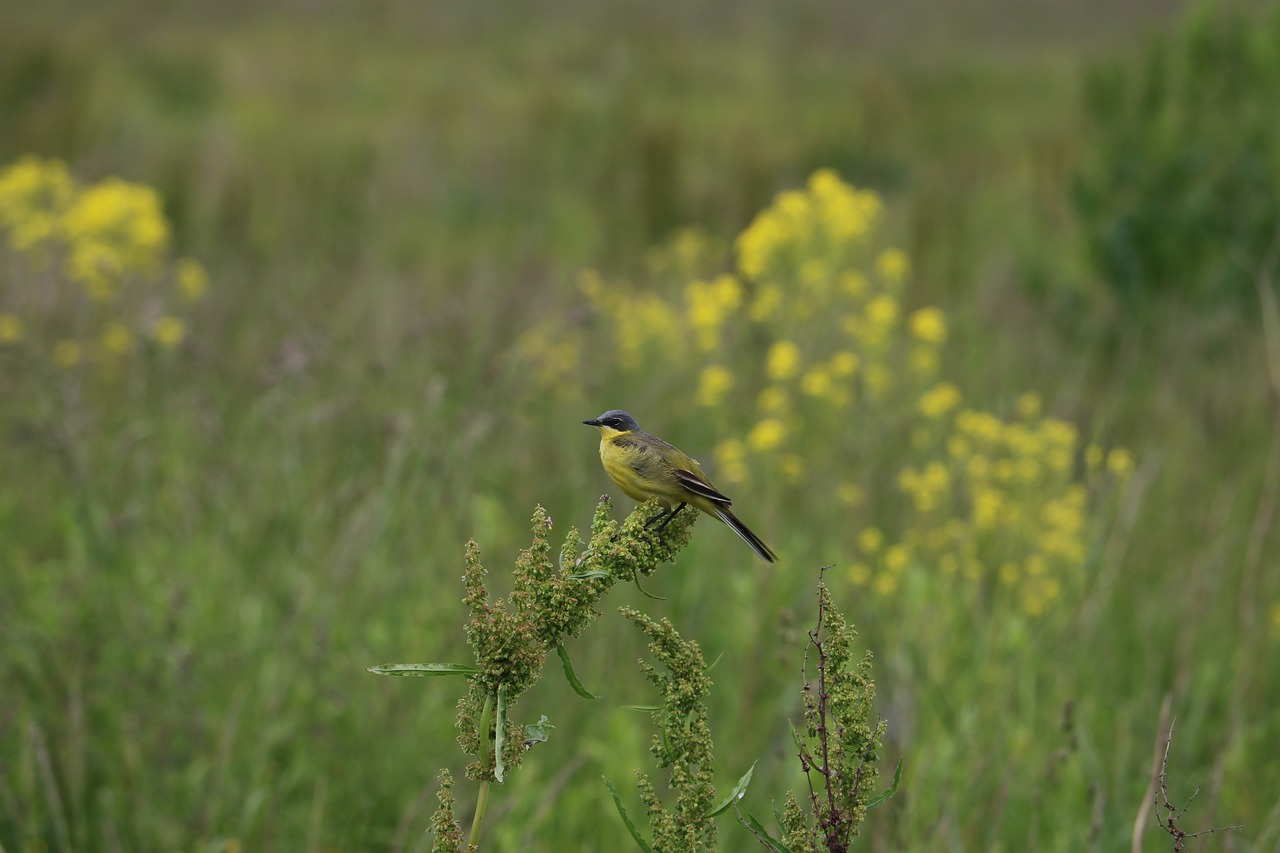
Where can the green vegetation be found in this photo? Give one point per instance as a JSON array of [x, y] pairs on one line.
[[401, 251]]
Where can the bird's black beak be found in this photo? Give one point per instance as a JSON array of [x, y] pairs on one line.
[[595, 423]]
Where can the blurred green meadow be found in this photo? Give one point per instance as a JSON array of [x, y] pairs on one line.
[[381, 261]]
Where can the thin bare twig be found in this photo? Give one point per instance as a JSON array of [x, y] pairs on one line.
[[1169, 823]]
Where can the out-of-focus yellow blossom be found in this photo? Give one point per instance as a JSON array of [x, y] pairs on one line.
[[924, 361], [813, 273], [792, 467], [886, 583], [34, 194], [850, 494], [893, 265], [879, 380], [1093, 456], [114, 227], [591, 285], [774, 400], [896, 557], [870, 540], [844, 363], [66, 353], [111, 238], [1010, 573], [929, 325], [987, 504], [168, 331], [117, 339], [708, 306], [939, 400], [1275, 620], [817, 382], [766, 435], [1120, 462], [191, 277], [854, 283], [731, 461], [859, 574], [714, 382], [766, 304], [1028, 405], [782, 361], [10, 328], [882, 312]]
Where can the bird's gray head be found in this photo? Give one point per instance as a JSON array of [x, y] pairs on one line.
[[615, 419]]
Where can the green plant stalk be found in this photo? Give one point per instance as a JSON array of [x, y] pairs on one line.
[[482, 802]]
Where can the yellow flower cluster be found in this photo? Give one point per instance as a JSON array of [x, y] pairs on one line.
[[815, 227], [108, 243], [999, 504]]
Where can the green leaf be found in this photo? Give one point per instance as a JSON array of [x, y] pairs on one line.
[[500, 734], [646, 708], [887, 792], [626, 820], [763, 834], [572, 678], [537, 732], [590, 576], [737, 793], [425, 669], [712, 665], [644, 591]]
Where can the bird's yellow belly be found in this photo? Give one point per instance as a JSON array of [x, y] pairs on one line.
[[618, 465]]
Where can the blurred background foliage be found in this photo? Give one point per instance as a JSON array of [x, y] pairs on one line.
[[961, 298]]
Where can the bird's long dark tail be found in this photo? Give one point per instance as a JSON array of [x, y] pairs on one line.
[[765, 552]]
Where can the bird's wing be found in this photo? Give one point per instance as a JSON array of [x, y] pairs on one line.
[[696, 483]]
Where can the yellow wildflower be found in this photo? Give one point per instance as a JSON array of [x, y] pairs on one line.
[[844, 363], [168, 331], [792, 467], [882, 312], [870, 540], [767, 302], [1120, 462], [730, 458], [896, 557], [191, 277], [886, 583], [893, 265], [782, 361], [860, 573], [939, 400], [850, 494], [773, 400], [714, 382], [929, 325], [1093, 456], [10, 328], [854, 283], [817, 383], [766, 435], [117, 339], [66, 353]]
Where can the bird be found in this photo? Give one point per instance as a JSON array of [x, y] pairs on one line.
[[644, 466]]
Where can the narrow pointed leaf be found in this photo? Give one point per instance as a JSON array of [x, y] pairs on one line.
[[737, 793], [626, 819], [590, 576], [763, 834], [646, 592], [649, 709], [500, 734], [887, 792], [571, 677], [425, 669]]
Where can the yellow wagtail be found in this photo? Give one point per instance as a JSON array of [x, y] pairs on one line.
[[644, 466]]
